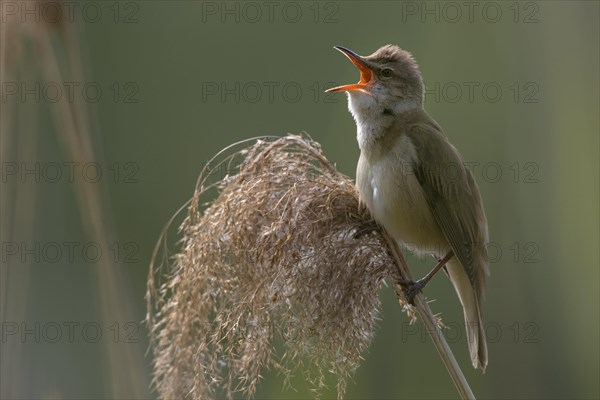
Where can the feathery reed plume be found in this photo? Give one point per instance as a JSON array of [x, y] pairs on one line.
[[284, 251]]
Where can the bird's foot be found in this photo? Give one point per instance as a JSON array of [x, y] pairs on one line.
[[366, 228], [412, 288]]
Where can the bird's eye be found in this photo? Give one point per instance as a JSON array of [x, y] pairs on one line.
[[387, 73]]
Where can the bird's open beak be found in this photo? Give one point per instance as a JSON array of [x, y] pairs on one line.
[[366, 74]]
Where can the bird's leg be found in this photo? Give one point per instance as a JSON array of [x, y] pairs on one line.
[[411, 288]]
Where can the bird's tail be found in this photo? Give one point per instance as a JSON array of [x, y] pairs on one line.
[[471, 307]]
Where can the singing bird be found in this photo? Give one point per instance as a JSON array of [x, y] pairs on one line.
[[415, 183]]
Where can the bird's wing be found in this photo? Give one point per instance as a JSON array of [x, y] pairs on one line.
[[453, 197]]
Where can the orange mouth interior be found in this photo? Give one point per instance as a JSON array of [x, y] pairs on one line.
[[366, 75]]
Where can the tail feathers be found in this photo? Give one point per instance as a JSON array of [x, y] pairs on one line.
[[476, 337], [473, 322]]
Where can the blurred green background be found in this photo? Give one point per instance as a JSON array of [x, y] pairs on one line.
[[514, 84]]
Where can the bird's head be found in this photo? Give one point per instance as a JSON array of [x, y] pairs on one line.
[[390, 82]]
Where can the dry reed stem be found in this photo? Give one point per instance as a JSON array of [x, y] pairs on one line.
[[59, 57]]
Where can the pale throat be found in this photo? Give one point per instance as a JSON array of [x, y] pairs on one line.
[[373, 118]]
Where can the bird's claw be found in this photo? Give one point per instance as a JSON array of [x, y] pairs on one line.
[[366, 228], [412, 288]]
